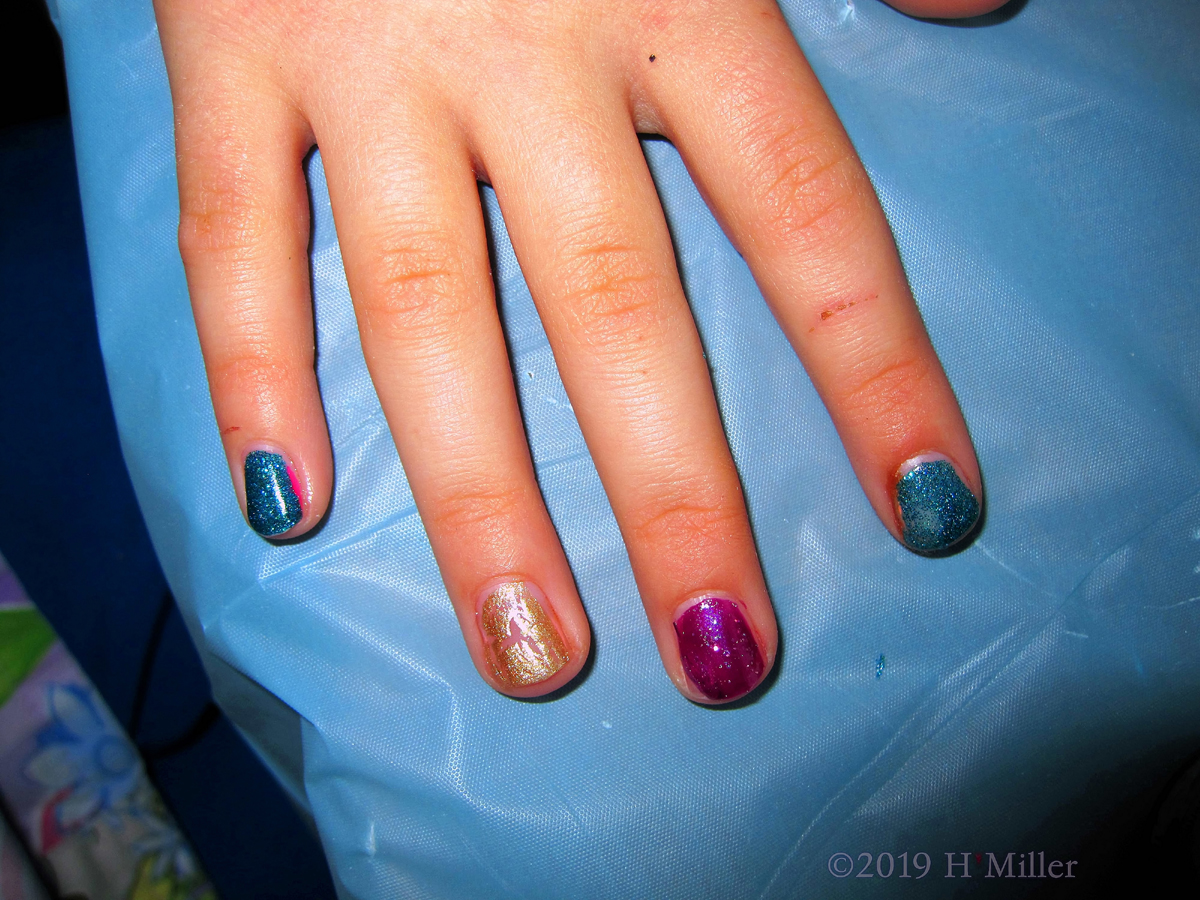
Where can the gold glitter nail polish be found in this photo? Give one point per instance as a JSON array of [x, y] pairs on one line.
[[522, 643]]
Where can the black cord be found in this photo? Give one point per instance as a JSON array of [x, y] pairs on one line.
[[195, 732], [149, 656], [203, 722]]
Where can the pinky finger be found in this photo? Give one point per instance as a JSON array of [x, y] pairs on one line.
[[243, 236]]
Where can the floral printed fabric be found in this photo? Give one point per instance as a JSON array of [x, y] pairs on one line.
[[71, 781], [18, 881]]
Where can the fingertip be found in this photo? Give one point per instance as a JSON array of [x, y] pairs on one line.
[[724, 654], [937, 502], [524, 645], [947, 9], [282, 495]]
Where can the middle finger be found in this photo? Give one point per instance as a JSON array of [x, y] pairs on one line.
[[588, 229]]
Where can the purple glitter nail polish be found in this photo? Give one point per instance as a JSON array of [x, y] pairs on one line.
[[718, 650]]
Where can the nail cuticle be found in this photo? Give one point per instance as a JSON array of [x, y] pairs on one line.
[[272, 493], [935, 507], [720, 655]]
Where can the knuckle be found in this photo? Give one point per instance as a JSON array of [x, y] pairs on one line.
[[882, 385], [415, 286], [686, 526], [610, 291], [808, 191], [474, 508], [217, 227], [252, 370], [219, 212]]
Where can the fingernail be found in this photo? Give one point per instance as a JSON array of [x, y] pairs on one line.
[[936, 508], [272, 498], [523, 646], [718, 650]]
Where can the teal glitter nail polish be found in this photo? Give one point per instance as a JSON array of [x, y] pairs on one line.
[[936, 508], [272, 505]]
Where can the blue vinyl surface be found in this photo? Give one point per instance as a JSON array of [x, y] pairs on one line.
[[71, 528], [1040, 174]]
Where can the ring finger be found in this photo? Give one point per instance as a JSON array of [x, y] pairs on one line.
[[412, 237]]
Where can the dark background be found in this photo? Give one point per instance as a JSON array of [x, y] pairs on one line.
[[69, 524], [31, 65]]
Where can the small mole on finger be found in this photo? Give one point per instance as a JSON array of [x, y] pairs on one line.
[[652, 57]]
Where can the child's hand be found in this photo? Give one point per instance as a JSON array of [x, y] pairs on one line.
[[412, 102]]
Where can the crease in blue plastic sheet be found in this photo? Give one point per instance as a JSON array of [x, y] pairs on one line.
[[1041, 177]]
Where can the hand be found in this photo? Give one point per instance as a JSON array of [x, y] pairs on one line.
[[411, 103]]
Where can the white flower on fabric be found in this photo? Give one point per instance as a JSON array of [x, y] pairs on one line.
[[83, 753], [166, 844]]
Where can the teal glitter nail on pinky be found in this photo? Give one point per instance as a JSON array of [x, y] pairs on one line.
[[937, 509], [272, 500]]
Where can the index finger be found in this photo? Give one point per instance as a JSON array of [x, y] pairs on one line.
[[767, 150]]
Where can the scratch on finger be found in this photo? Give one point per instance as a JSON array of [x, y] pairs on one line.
[[830, 311]]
